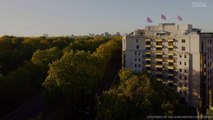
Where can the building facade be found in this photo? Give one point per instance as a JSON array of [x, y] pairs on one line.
[[175, 54]]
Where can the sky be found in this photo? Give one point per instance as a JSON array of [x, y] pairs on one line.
[[81, 17]]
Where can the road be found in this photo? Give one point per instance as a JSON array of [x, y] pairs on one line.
[[34, 107]]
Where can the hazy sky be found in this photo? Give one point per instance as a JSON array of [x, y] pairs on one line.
[[80, 17]]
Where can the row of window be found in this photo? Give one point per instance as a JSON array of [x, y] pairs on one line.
[[183, 70], [182, 77], [183, 84], [139, 53], [209, 64], [170, 49], [159, 43], [210, 41], [181, 63], [137, 59], [209, 57], [183, 41], [185, 56], [137, 65], [165, 49], [209, 79], [209, 72], [209, 49]]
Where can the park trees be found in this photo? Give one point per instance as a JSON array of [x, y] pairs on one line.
[[137, 96], [74, 78]]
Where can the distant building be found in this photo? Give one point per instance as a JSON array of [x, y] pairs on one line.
[[106, 34], [117, 34], [175, 54], [45, 35], [92, 34]]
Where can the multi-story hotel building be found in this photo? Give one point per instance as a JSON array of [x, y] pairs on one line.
[[178, 55]]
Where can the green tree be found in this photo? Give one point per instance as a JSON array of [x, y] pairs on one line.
[[141, 96], [74, 78], [44, 57]]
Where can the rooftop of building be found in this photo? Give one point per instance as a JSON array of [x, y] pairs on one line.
[[167, 29]]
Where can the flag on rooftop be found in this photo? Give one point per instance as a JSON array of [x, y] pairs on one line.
[[179, 18], [163, 17], [148, 19]]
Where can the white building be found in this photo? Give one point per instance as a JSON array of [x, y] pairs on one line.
[[177, 54]]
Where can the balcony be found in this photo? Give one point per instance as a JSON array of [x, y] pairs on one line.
[[159, 66], [170, 40], [170, 60], [170, 53], [159, 40], [148, 65], [170, 74], [147, 46], [171, 47], [159, 59], [170, 67], [159, 72], [159, 46], [165, 62], [148, 52], [159, 53], [148, 59]]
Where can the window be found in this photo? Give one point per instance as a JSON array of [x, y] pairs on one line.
[[135, 53], [158, 43], [180, 70], [170, 49], [148, 55], [180, 77], [185, 71], [170, 64], [180, 56], [139, 59], [137, 46], [135, 65], [139, 53], [183, 48], [148, 43], [183, 41], [148, 48], [185, 85], [139, 65], [184, 56], [135, 59], [159, 48], [170, 43], [185, 78], [136, 40], [180, 63], [184, 63]]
